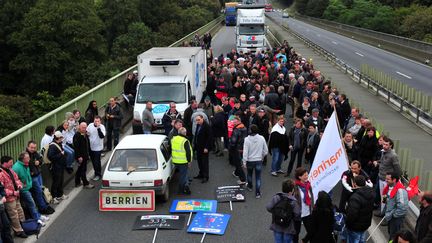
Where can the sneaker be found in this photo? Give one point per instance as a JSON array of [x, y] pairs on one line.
[[89, 186], [41, 223], [96, 178], [274, 174], [241, 182], [64, 197], [49, 210], [258, 196], [280, 171], [57, 200], [249, 188], [234, 174], [21, 234], [44, 218]]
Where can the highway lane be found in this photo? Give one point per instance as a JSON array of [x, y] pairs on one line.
[[355, 53], [224, 41]]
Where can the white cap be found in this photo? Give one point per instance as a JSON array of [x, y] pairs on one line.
[[58, 134]]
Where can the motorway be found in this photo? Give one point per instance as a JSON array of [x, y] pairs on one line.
[[355, 53], [81, 221]]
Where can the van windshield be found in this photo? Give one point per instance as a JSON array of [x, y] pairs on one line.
[[162, 93], [129, 160]]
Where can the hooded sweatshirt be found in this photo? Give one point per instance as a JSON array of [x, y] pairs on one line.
[[254, 148]]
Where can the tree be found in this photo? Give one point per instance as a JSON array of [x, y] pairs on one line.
[[72, 92], [10, 121], [417, 25], [316, 8], [301, 6], [169, 32], [154, 13], [117, 15], [19, 104], [60, 45], [11, 15], [210, 5], [138, 39], [195, 17], [334, 10], [43, 103]]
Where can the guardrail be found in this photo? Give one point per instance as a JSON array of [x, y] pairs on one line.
[[16, 142], [410, 166], [398, 40]]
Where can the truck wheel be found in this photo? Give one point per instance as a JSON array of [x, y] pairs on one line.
[[165, 195]]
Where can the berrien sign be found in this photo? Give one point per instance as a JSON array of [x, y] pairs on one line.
[[126, 200], [330, 160]]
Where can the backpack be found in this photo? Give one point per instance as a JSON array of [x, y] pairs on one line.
[[47, 194], [31, 227], [282, 211], [339, 217], [44, 152]]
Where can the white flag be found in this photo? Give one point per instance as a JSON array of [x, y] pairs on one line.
[[330, 160]]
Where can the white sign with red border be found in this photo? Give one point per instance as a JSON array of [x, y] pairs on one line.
[[126, 200]]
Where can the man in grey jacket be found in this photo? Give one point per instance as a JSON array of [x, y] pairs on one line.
[[254, 150], [147, 118], [388, 163], [396, 199]]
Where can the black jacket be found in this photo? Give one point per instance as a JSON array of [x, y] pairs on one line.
[[318, 123], [367, 149], [237, 138], [303, 137], [424, 225], [58, 160], [113, 122], [359, 209], [81, 145], [280, 141], [34, 169], [272, 100], [322, 224], [219, 125], [263, 126], [202, 140]]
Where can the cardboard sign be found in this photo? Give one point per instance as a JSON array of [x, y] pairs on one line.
[[147, 222], [210, 223], [126, 200], [193, 205], [230, 193]]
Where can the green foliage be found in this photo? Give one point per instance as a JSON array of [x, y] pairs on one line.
[[334, 10], [316, 8], [44, 103], [418, 25], [59, 44], [301, 6], [195, 17], [20, 104], [72, 92], [10, 120], [117, 15], [138, 39]]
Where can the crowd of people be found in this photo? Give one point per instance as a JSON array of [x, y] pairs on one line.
[[244, 113]]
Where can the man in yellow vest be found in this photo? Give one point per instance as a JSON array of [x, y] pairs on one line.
[[182, 158]]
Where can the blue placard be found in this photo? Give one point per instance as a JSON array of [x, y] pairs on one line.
[[160, 109], [193, 205], [210, 223]]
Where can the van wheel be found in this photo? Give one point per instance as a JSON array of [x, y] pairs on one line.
[[165, 196]]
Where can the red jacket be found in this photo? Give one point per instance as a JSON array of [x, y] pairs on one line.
[[6, 181]]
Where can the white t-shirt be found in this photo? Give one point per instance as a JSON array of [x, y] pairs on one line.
[[46, 139], [96, 143], [305, 210]]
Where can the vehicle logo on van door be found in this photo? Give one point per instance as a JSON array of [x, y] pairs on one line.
[[196, 75], [160, 109]]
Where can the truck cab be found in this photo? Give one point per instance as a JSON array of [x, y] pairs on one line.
[[251, 29]]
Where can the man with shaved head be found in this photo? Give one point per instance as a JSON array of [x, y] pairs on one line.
[[81, 144]]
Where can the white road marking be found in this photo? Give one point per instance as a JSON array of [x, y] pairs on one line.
[[402, 74], [334, 42], [359, 54], [318, 35]]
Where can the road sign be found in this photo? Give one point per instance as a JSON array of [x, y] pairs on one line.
[[126, 200], [210, 223], [230, 193], [193, 205], [146, 222]]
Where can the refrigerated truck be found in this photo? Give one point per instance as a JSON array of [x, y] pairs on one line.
[[251, 28]]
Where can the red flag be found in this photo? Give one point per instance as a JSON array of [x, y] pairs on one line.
[[412, 187]]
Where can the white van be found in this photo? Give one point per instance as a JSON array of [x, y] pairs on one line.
[[140, 162]]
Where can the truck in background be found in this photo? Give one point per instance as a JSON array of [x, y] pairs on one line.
[[268, 7], [251, 28], [231, 13], [170, 74]]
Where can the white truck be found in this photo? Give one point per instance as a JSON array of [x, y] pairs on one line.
[[170, 74], [251, 28]]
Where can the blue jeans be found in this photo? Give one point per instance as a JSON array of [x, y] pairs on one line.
[[28, 201], [277, 158], [355, 237], [70, 156], [183, 176], [37, 192], [257, 166], [147, 132], [281, 237]]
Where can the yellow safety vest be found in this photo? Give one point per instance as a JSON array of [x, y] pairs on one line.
[[178, 150]]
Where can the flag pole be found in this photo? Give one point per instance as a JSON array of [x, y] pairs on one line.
[[340, 134], [373, 231]]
